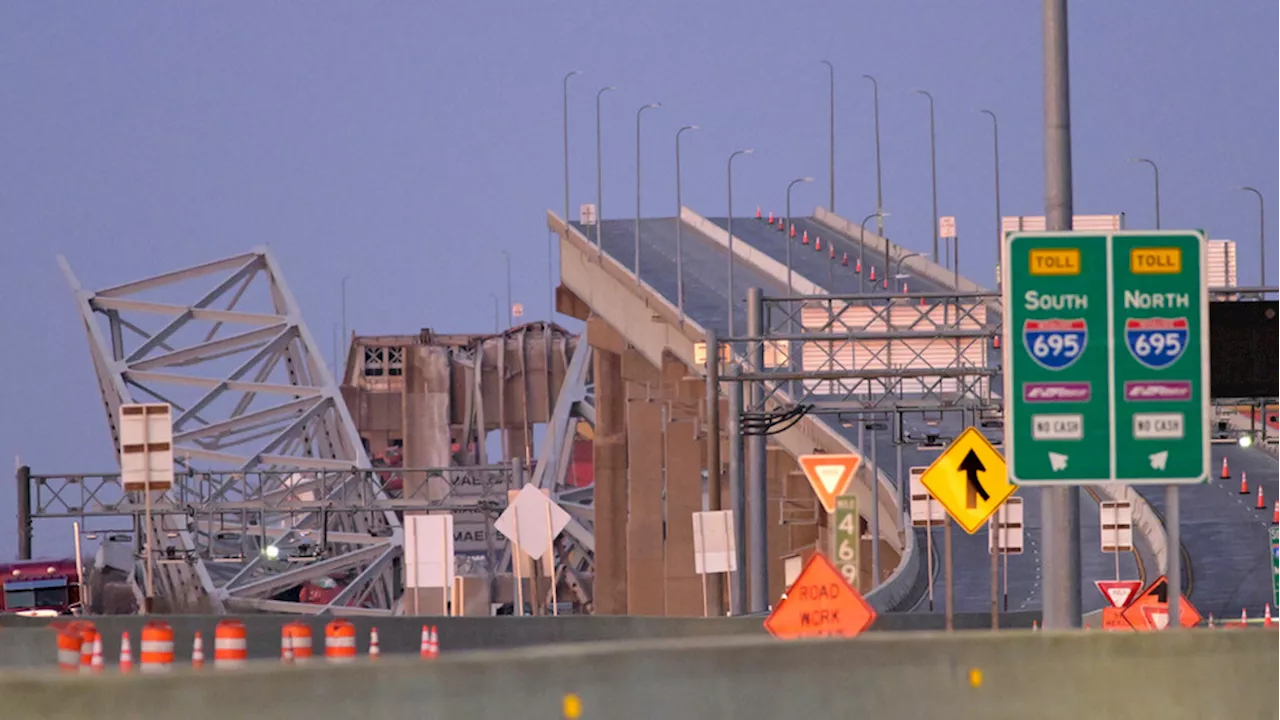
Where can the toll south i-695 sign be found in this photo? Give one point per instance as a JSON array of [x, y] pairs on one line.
[[1106, 357]]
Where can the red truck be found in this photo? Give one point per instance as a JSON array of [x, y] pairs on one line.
[[39, 588]]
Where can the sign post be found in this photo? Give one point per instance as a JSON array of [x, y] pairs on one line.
[[146, 466]]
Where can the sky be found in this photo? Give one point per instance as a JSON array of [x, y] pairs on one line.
[[407, 144]]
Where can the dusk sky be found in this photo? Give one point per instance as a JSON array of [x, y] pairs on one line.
[[405, 144]]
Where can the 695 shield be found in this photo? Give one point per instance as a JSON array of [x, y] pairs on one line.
[[1157, 343], [1055, 344]]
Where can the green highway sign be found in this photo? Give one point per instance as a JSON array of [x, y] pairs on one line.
[[1106, 366], [1275, 566], [847, 538]]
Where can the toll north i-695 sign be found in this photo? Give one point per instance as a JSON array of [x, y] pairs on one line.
[[1106, 357]]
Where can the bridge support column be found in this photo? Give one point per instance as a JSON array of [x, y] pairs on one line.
[[610, 463]]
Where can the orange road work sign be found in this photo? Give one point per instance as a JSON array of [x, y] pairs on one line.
[[1150, 611], [820, 603], [1113, 619]]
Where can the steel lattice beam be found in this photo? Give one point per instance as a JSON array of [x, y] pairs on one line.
[[250, 392]]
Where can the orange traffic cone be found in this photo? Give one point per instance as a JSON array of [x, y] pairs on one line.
[[424, 646], [885, 284], [1244, 618], [1275, 518], [781, 225], [1266, 616], [1244, 481], [197, 651], [997, 342], [904, 286], [1035, 626], [1261, 505], [832, 254], [1225, 472], [374, 651], [435, 643], [770, 217], [817, 245], [757, 212], [845, 260], [858, 266], [126, 654], [804, 238], [922, 301], [96, 665], [873, 274], [793, 230], [1210, 619]]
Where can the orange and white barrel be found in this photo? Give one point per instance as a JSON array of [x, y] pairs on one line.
[[298, 637], [155, 652], [340, 641], [69, 644], [230, 645]]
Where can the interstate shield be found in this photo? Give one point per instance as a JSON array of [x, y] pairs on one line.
[[1157, 343], [1055, 344]]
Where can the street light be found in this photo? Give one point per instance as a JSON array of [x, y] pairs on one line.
[[1262, 235], [1157, 175], [898, 274], [862, 244], [680, 229], [734, 154], [875, 98], [638, 114], [995, 137], [599, 180], [570, 74], [933, 170], [786, 232], [831, 143]]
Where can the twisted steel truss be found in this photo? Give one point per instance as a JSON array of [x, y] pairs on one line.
[[252, 397]]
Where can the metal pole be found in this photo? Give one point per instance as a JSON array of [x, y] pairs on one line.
[[638, 114], [1060, 508], [786, 230], [507, 259], [933, 169], [737, 495], [875, 510], [714, 583], [997, 531], [1262, 242], [517, 477], [862, 246], [831, 142], [949, 591], [995, 139], [599, 176], [756, 481], [570, 74], [732, 301], [955, 268], [1156, 170], [679, 230], [24, 512], [875, 104], [1172, 528]]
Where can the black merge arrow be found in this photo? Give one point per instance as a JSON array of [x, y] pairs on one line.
[[971, 466]]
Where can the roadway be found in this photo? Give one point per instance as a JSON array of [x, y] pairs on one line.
[[706, 295]]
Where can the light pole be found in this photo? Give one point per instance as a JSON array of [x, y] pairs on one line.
[[898, 274], [679, 229], [831, 142], [599, 180], [1157, 176], [875, 105], [734, 154], [933, 170], [787, 230], [506, 258], [995, 138], [638, 114], [1262, 235], [862, 245], [570, 74]]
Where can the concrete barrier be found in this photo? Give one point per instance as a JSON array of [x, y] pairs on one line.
[[1196, 674]]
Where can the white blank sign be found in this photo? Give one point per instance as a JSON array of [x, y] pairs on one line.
[[428, 551], [146, 447], [528, 520], [714, 547]]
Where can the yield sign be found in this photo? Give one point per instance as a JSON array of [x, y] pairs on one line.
[[1118, 592], [829, 475], [1157, 616], [820, 603]]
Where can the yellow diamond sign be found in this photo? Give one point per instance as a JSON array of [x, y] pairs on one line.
[[969, 479]]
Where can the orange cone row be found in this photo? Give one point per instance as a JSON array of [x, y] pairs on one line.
[[79, 646]]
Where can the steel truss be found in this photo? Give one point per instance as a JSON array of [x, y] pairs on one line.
[[251, 396]]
